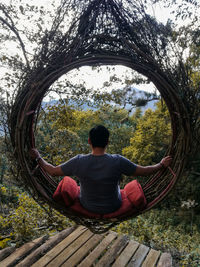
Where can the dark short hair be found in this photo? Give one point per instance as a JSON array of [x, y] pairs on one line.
[[99, 136]]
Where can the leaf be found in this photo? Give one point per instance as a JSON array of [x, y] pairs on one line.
[[4, 58], [21, 9], [39, 26]]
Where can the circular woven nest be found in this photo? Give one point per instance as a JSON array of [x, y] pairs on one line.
[[104, 32]]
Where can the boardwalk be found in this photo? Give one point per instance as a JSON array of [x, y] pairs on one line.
[[77, 246]]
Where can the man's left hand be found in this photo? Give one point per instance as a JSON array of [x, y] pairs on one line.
[[34, 153], [166, 161]]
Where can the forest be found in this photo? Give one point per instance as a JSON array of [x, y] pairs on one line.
[[73, 105]]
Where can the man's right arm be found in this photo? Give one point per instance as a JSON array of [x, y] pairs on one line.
[[148, 170], [49, 168]]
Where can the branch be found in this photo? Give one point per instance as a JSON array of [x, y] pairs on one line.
[[13, 29]]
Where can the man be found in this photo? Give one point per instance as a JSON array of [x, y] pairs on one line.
[[99, 173]]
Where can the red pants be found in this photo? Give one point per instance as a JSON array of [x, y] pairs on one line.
[[133, 199]]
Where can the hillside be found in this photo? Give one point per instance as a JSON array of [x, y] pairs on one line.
[[139, 94]]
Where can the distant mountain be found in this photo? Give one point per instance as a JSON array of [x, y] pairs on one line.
[[139, 94]]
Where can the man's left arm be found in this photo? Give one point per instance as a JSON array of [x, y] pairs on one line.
[[49, 168], [148, 170]]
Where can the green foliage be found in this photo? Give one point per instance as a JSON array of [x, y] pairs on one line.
[[151, 138], [26, 219], [65, 135], [8, 195], [167, 231]]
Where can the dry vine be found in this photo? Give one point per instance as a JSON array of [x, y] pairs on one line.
[[107, 32]]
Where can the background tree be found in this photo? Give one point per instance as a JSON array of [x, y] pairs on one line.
[[151, 138], [63, 130]]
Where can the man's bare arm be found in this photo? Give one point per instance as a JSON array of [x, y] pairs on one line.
[[148, 170], [49, 168]]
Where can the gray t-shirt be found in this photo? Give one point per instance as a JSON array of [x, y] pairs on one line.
[[99, 178]]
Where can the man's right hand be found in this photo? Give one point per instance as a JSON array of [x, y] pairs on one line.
[[49, 168]]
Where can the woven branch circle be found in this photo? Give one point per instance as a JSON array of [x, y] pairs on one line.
[[107, 33]]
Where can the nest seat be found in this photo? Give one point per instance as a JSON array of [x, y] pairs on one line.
[[106, 32]]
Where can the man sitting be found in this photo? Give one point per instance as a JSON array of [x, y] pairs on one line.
[[99, 173]]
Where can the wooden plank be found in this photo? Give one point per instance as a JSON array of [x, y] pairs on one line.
[[126, 254], [139, 256], [151, 258], [60, 247], [23, 251], [83, 251], [113, 252], [71, 249], [165, 260], [90, 259], [39, 252], [6, 252]]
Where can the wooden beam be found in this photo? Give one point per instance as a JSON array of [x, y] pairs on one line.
[[71, 249], [83, 251], [23, 251], [139, 256], [53, 253], [113, 252], [43, 249], [126, 254], [151, 258], [165, 260], [90, 259], [6, 252], [82, 248]]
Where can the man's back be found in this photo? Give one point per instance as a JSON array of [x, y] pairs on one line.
[[99, 178]]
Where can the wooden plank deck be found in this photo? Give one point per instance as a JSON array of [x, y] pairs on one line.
[[77, 246]]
